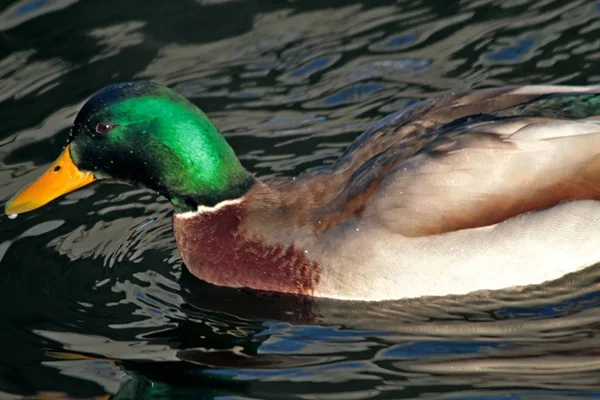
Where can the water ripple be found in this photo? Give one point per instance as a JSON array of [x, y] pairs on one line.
[[94, 296]]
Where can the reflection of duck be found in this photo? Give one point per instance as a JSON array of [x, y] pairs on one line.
[[216, 351], [478, 190]]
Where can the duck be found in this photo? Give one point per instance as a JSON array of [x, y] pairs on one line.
[[464, 192]]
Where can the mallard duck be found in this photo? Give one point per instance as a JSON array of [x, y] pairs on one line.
[[481, 190]]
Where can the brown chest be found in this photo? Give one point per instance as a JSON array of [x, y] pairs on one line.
[[216, 249]]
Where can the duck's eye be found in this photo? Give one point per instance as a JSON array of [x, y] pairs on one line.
[[104, 127]]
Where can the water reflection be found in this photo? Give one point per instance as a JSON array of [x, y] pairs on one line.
[[449, 350], [92, 291]]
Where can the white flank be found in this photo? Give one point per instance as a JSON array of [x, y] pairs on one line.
[[549, 89], [207, 210]]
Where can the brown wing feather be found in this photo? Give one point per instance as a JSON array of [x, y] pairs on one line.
[[396, 152], [484, 178]]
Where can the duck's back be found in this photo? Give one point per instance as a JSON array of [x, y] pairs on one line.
[[529, 148], [464, 192]]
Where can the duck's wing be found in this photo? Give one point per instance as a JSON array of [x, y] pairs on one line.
[[488, 173], [468, 160], [412, 128]]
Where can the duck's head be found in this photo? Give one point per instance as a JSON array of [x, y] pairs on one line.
[[142, 133]]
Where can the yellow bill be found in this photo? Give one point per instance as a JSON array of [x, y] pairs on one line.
[[61, 178]]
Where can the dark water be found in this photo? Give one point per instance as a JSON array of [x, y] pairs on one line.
[[93, 299]]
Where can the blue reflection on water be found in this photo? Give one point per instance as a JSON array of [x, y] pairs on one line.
[[353, 93], [437, 348], [310, 67], [511, 53], [32, 6], [551, 310], [402, 40]]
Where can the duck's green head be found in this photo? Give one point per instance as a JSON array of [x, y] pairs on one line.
[[142, 133]]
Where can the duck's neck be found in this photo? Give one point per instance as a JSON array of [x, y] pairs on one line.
[[205, 179], [191, 187], [194, 199]]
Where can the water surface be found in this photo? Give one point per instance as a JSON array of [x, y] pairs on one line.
[[93, 297]]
